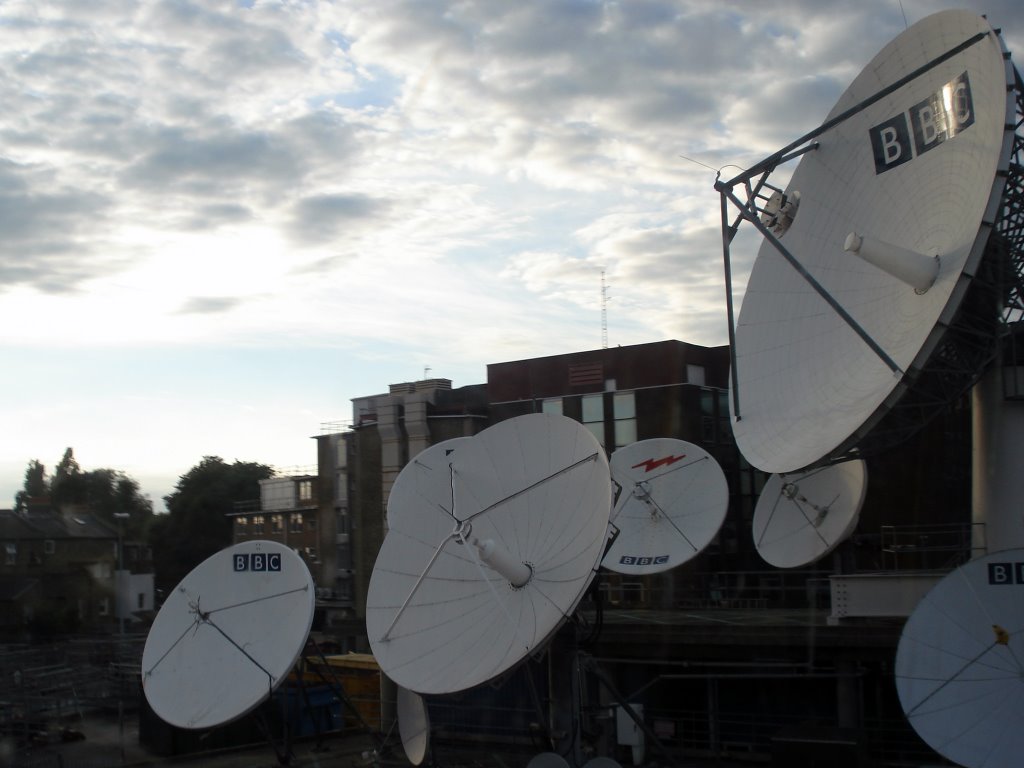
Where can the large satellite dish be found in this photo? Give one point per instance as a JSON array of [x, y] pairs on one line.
[[492, 562], [427, 476], [864, 313], [960, 663], [672, 500], [801, 517], [228, 634]]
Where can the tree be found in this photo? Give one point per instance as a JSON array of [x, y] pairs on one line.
[[36, 486], [101, 492], [68, 484], [196, 524]]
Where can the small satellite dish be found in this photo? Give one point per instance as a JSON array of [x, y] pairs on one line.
[[492, 562], [802, 516], [672, 500], [548, 760], [413, 725], [960, 663], [414, 482], [860, 317], [228, 634]]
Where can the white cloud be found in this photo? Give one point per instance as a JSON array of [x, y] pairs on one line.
[[403, 183]]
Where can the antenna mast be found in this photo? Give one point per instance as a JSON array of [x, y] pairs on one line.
[[604, 313]]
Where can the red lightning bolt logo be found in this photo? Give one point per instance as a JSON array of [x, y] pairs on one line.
[[652, 464]]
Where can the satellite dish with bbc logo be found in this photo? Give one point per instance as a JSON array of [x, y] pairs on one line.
[[228, 634], [878, 300]]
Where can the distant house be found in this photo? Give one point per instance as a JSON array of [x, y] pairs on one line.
[[60, 573]]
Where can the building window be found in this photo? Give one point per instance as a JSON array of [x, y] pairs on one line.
[[724, 420], [707, 429], [725, 430], [343, 590], [49, 546], [707, 402], [593, 415], [276, 524], [305, 490], [343, 553], [708, 415], [295, 523], [552, 405], [751, 480], [695, 375], [241, 526], [11, 556], [257, 524], [311, 524], [624, 410]]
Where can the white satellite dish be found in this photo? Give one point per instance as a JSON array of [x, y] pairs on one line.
[[228, 635], [802, 516], [960, 663], [672, 500], [413, 725], [858, 319], [547, 760], [416, 480], [496, 561]]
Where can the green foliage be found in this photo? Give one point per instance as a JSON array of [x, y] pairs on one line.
[[196, 524], [102, 492], [36, 486], [67, 468]]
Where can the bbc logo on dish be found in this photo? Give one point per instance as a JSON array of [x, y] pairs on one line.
[[946, 113], [643, 560], [258, 561], [1006, 573]]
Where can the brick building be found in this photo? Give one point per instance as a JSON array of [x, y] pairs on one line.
[[286, 512]]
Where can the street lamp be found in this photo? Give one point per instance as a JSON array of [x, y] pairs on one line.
[[121, 517], [118, 590]]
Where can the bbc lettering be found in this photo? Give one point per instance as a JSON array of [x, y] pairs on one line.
[[643, 560], [258, 561], [1006, 573], [927, 124]]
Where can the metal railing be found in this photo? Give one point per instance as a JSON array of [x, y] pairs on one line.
[[936, 547], [728, 590]]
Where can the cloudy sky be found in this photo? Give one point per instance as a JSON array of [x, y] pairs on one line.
[[221, 221]]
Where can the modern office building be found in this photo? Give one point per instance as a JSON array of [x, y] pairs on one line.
[[358, 463]]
